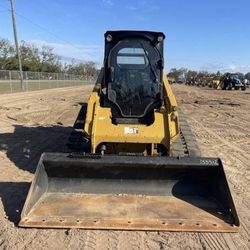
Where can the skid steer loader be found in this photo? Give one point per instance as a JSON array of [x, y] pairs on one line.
[[134, 162]]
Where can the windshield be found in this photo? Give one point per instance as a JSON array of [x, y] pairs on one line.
[[135, 56], [235, 77], [135, 85]]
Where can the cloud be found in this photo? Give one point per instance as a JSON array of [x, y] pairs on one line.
[[131, 7], [108, 2], [79, 52], [213, 67], [143, 5], [239, 68], [141, 10]]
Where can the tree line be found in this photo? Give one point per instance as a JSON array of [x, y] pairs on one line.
[[41, 60], [188, 74], [45, 60]]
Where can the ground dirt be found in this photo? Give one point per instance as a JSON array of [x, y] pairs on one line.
[[34, 122]]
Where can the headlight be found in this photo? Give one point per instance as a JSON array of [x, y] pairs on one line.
[[109, 38]]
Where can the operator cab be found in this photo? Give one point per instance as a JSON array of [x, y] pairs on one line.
[[133, 75]]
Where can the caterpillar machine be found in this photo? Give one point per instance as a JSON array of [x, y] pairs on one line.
[[134, 163]]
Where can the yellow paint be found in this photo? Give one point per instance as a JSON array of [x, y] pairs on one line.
[[164, 130]]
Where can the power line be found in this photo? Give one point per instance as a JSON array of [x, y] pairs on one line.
[[45, 29], [5, 7], [49, 32]]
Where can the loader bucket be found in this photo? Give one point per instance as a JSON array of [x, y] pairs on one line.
[[130, 192]]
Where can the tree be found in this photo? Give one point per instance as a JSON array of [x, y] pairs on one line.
[[173, 73], [247, 76], [203, 73], [6, 49], [191, 74], [177, 73], [44, 60], [87, 69], [218, 74], [33, 59], [50, 62], [7, 55], [30, 57]]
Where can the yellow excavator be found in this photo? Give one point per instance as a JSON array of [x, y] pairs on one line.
[[133, 163]]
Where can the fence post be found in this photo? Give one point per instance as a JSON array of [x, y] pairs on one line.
[[39, 80], [26, 81], [11, 87], [57, 82]]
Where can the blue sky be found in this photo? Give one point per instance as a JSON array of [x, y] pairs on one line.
[[202, 35]]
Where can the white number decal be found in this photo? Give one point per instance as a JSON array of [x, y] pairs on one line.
[[209, 162], [128, 130]]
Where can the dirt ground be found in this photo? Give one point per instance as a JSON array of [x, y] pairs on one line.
[[34, 122]]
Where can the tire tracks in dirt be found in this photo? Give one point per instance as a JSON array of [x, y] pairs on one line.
[[224, 137], [220, 131]]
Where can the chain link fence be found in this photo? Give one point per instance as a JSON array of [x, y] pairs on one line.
[[10, 80]]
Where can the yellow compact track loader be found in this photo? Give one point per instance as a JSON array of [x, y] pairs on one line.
[[134, 164]]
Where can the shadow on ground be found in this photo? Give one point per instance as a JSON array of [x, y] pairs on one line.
[[26, 144], [13, 195], [24, 147]]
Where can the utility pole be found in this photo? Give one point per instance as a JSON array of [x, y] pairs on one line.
[[16, 43]]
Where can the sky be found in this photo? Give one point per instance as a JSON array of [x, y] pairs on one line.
[[201, 35]]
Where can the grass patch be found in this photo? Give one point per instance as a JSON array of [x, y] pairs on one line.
[[15, 86]]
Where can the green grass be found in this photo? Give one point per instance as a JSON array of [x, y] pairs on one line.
[[15, 86]]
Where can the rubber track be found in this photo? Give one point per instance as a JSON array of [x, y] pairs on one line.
[[186, 145], [77, 140]]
